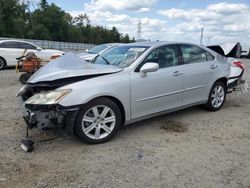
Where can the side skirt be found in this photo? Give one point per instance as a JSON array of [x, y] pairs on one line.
[[163, 112]]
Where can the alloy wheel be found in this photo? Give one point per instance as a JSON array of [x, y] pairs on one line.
[[218, 96], [98, 122]]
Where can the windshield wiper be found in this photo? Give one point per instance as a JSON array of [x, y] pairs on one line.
[[105, 60]]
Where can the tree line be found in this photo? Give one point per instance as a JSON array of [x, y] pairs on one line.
[[49, 22]]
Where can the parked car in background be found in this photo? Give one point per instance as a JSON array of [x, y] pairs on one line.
[[123, 85], [89, 55], [12, 49], [245, 53]]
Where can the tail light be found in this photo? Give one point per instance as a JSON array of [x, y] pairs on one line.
[[239, 64]]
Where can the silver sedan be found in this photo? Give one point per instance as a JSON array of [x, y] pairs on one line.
[[125, 84]]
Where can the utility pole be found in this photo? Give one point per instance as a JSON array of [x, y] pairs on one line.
[[201, 36], [139, 30]]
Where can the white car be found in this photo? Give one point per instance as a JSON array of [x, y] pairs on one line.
[[12, 49]]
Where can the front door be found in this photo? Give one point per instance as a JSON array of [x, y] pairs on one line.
[[160, 90]]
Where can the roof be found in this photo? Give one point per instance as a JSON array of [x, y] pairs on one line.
[[1, 41], [156, 43]]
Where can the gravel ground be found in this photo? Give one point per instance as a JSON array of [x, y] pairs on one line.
[[189, 148]]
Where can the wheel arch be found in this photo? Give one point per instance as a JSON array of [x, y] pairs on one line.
[[117, 102], [223, 80], [1, 57]]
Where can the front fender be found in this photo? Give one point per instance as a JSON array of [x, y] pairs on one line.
[[87, 90]]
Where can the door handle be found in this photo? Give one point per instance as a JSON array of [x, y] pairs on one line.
[[213, 66], [177, 73]]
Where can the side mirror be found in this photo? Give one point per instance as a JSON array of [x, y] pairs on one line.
[[149, 67], [39, 49]]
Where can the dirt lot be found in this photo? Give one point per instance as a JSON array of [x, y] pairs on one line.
[[189, 148]]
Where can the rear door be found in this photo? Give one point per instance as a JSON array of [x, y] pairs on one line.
[[160, 90], [199, 70]]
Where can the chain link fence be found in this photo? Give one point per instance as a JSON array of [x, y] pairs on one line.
[[63, 46]]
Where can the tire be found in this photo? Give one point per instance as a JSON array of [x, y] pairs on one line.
[[217, 96], [92, 124], [24, 78], [3, 63]]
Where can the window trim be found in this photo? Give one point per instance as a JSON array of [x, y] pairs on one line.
[[210, 55]]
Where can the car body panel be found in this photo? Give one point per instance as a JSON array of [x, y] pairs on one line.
[[146, 95], [10, 55], [198, 79], [115, 85], [69, 65]]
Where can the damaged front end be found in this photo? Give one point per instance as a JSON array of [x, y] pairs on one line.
[[41, 107], [44, 112], [41, 96]]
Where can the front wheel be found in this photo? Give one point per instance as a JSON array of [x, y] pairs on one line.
[[217, 96], [98, 121]]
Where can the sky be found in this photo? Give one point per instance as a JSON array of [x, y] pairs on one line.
[[169, 20]]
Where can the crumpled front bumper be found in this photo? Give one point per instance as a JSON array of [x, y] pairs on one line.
[[46, 117]]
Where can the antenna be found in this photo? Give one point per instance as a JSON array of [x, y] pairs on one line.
[[139, 29]]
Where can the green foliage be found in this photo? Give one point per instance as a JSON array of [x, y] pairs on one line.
[[50, 22]]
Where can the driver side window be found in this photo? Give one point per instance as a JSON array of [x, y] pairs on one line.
[[165, 56]]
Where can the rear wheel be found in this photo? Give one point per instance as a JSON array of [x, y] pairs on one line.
[[217, 96], [98, 121], [2, 63]]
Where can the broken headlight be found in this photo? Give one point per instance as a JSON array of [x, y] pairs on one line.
[[48, 97]]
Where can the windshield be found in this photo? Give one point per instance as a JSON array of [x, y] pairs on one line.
[[121, 56], [98, 49]]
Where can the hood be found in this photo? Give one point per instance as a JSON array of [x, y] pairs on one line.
[[82, 54], [70, 66]]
